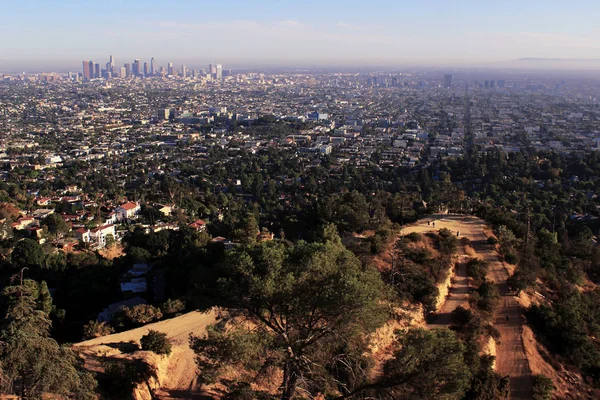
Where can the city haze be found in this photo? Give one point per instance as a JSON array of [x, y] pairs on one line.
[[57, 36]]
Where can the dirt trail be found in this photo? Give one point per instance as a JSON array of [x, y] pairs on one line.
[[511, 358]]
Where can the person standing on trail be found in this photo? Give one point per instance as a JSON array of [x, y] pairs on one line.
[[428, 223], [457, 233], [434, 224]]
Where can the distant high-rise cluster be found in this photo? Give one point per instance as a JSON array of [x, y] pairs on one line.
[[448, 81], [92, 70]]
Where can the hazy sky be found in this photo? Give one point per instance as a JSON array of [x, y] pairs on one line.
[[302, 32]]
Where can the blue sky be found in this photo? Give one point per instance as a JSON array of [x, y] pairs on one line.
[[267, 32]]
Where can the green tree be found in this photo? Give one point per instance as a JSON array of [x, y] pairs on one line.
[[110, 240], [56, 225], [27, 254], [44, 298], [33, 363], [248, 231], [429, 364], [306, 300]]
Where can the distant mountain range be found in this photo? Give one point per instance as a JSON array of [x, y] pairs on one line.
[[560, 59], [533, 63]]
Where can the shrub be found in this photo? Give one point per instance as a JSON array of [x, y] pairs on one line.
[[477, 269], [542, 387], [172, 308], [141, 314], [377, 244], [414, 237], [492, 240], [94, 329], [156, 342], [510, 258]]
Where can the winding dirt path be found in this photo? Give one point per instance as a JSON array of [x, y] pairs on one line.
[[511, 357]]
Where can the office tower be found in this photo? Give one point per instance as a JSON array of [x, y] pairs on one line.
[[219, 71], [88, 70], [183, 71], [164, 113], [501, 83], [136, 67], [170, 70], [127, 69], [194, 73], [96, 70], [112, 64], [163, 71], [123, 72], [152, 67], [146, 72], [486, 84], [448, 81], [212, 69]]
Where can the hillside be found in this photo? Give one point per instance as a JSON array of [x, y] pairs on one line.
[[176, 374]]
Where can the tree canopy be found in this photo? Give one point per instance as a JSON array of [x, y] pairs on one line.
[[310, 302]]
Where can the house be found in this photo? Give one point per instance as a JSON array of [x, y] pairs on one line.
[[198, 225], [43, 201], [165, 209], [139, 269], [100, 233], [24, 222], [134, 285], [111, 218], [83, 235], [127, 211]]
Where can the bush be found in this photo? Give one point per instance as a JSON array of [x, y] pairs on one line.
[[414, 237], [492, 240], [377, 244], [172, 308], [94, 329], [156, 342], [486, 296], [510, 258], [419, 255], [139, 315], [542, 387], [477, 269]]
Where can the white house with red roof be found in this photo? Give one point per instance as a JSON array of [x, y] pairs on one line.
[[198, 225], [83, 235], [100, 233], [128, 210]]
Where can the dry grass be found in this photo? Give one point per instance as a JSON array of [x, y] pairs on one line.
[[112, 252]]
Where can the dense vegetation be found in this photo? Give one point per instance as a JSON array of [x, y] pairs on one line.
[[543, 207]]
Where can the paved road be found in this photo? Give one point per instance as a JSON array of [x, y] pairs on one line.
[[511, 358]]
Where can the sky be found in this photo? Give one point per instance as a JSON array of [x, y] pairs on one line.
[[239, 33]]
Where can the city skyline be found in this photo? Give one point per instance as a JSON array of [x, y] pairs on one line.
[[271, 32], [94, 70]]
